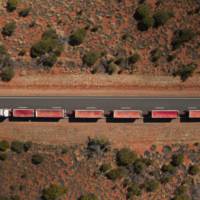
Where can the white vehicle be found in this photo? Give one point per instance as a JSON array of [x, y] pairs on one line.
[[4, 113]]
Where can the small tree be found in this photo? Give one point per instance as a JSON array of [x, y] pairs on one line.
[[133, 58], [142, 11], [53, 192], [37, 159], [115, 174], [17, 146], [169, 169], [7, 73], [146, 23], [105, 167], [181, 37], [156, 55], [134, 189], [77, 37], [151, 185], [9, 29], [138, 166], [12, 5], [125, 157], [112, 68], [3, 156]]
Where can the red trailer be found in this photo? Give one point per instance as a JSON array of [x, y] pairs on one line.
[[50, 113], [164, 114], [91, 114], [127, 114], [23, 113], [194, 114]]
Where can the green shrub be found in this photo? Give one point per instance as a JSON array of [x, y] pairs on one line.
[[25, 12], [89, 196], [3, 156], [112, 68], [151, 185], [9, 29], [115, 174], [134, 189], [17, 146], [53, 192], [12, 5], [27, 146], [48, 48], [181, 197], [37, 159], [185, 71], [165, 178], [90, 58], [105, 167], [156, 55], [133, 58], [169, 168], [161, 17], [138, 166], [4, 145], [7, 73], [193, 170], [125, 157], [181, 37], [142, 11], [146, 23], [177, 159], [77, 37]]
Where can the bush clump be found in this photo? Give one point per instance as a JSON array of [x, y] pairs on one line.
[[146, 23], [37, 159], [115, 174], [89, 196], [133, 190], [48, 49], [181, 193], [9, 29], [138, 166], [53, 192], [25, 12], [90, 58], [125, 157], [161, 17], [181, 37], [168, 169], [151, 185], [185, 71], [193, 169], [3, 156], [142, 11], [112, 68], [7, 73], [12, 5], [4, 145], [177, 159], [133, 58], [17, 146], [156, 55], [77, 37], [27, 146]]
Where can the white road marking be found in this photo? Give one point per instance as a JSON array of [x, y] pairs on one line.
[[125, 107]]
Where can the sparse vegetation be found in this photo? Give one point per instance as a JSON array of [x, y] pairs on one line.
[[156, 55], [138, 166], [53, 192], [90, 58], [9, 29], [151, 185], [7, 73], [177, 160], [133, 190], [193, 170], [105, 167], [3, 156], [24, 12], [133, 58], [115, 174]]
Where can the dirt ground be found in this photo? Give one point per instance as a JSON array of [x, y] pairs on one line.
[[135, 85], [137, 136]]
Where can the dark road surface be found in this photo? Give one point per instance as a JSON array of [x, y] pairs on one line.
[[71, 103]]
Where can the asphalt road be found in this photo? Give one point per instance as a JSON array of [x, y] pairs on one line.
[[106, 103]]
